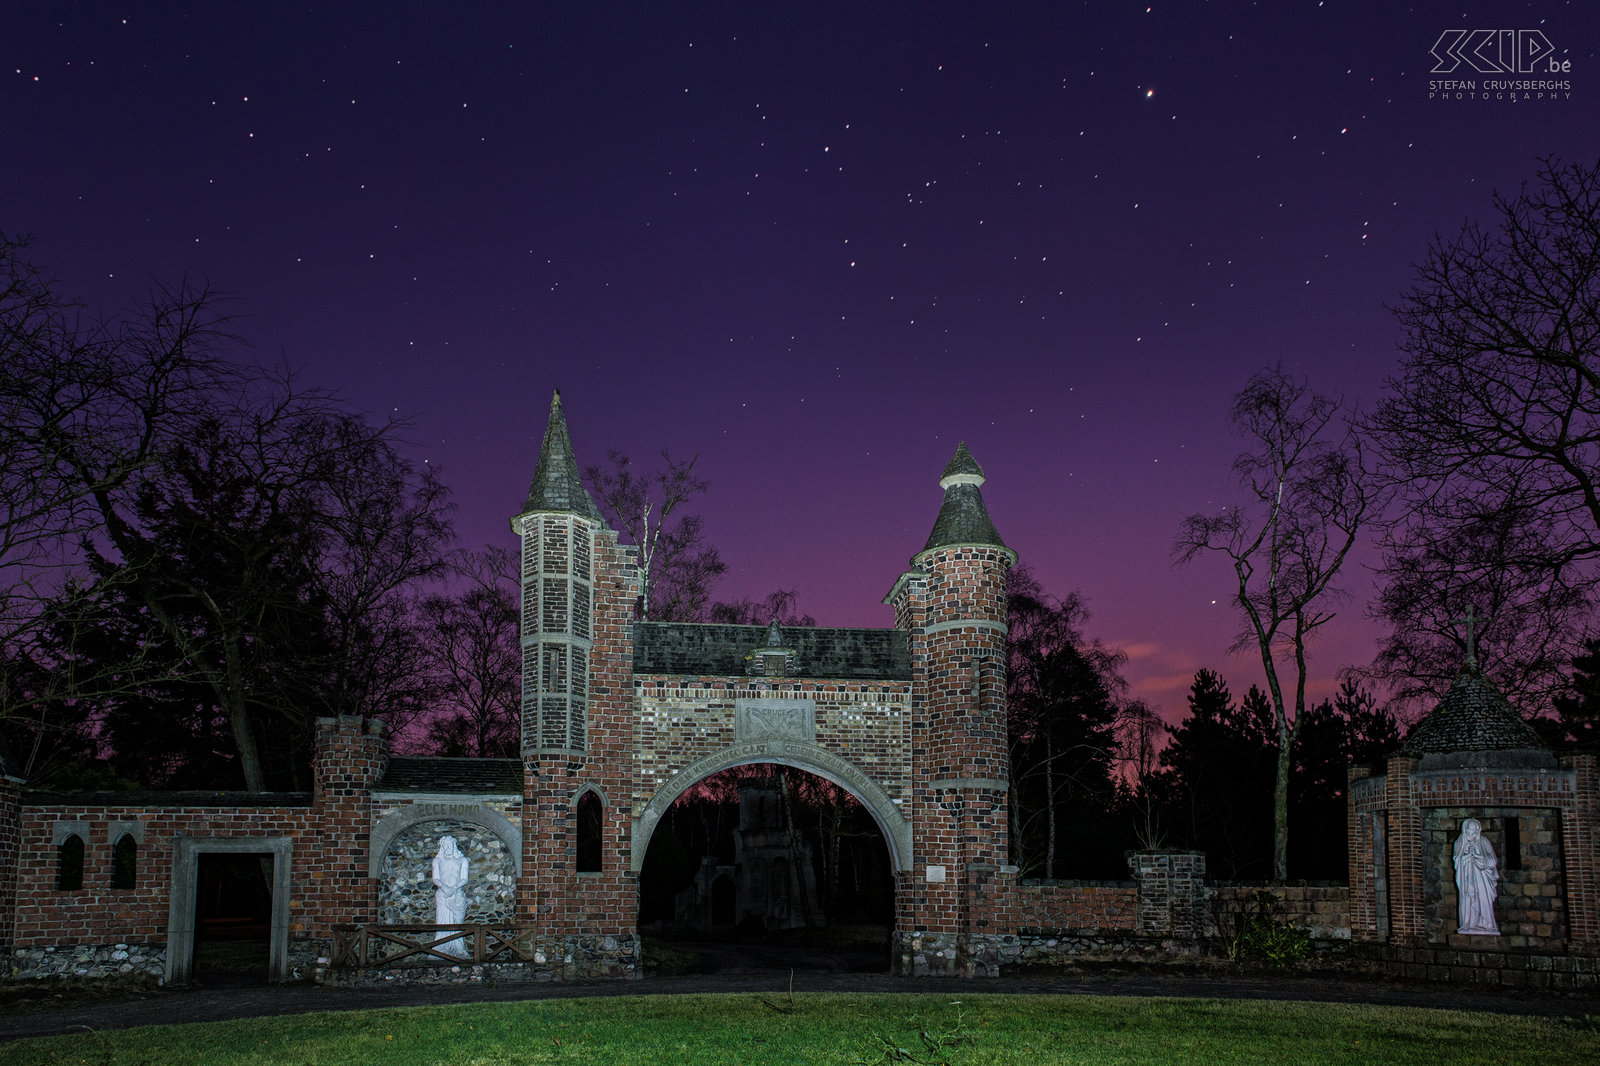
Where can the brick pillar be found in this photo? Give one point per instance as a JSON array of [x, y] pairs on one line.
[[10, 858], [1580, 838], [350, 756], [1359, 849], [1408, 923], [1172, 893]]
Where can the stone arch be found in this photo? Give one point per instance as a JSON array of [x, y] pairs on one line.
[[599, 793], [894, 826], [396, 822], [405, 880]]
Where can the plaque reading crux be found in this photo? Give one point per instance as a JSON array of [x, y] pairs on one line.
[[771, 719]]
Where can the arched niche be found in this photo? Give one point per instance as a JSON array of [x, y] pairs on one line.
[[405, 869]]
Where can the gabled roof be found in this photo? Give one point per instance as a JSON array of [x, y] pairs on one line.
[[557, 485], [963, 518]]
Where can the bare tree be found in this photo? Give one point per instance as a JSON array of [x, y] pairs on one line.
[[1309, 496], [87, 407], [170, 516], [778, 606], [1492, 428], [472, 641], [677, 567]]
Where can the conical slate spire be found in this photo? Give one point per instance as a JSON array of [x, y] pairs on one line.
[[963, 519], [556, 483], [1473, 716], [962, 469]]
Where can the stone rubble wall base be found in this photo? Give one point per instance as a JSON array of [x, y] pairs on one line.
[[91, 962], [555, 958], [85, 961], [1493, 969], [990, 954]]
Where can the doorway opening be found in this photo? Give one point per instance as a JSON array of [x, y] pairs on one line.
[[217, 900], [232, 917]]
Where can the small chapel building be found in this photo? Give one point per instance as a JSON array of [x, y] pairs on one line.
[[1429, 899]]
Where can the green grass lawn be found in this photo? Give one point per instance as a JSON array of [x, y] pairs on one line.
[[744, 1030]]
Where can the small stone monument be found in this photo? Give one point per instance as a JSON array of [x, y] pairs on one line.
[[450, 874]]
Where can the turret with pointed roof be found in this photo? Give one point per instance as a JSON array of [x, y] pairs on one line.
[[963, 518], [557, 485]]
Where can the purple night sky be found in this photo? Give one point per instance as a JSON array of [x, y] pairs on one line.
[[815, 244]]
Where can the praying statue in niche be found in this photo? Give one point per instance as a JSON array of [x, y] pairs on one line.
[[1477, 880], [450, 897]]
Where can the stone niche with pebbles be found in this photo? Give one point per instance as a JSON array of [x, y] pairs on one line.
[[405, 889]]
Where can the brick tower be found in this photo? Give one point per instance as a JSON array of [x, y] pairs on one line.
[[578, 590], [952, 602]]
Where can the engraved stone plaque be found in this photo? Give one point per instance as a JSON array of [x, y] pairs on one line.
[[769, 719]]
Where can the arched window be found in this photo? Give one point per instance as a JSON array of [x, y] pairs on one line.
[[69, 864], [590, 825], [125, 862]]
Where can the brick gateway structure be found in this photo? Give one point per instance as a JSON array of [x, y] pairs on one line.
[[620, 718]]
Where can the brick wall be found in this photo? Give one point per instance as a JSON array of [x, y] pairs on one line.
[[1322, 910], [1530, 905], [1045, 907], [100, 914]]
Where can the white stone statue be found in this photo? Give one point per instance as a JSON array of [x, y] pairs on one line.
[[450, 897], [1477, 881]]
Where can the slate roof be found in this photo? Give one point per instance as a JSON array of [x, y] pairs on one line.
[[961, 462], [700, 650], [154, 798], [412, 773], [963, 518], [557, 485], [1473, 716]]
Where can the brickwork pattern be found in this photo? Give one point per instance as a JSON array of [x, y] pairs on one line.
[[10, 858], [682, 720], [1322, 910], [97, 914], [956, 602], [1502, 969], [1530, 905], [553, 894], [1403, 828], [1581, 838], [350, 758]]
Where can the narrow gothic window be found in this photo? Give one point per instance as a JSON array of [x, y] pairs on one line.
[[1512, 859], [125, 862], [589, 833], [69, 864]]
